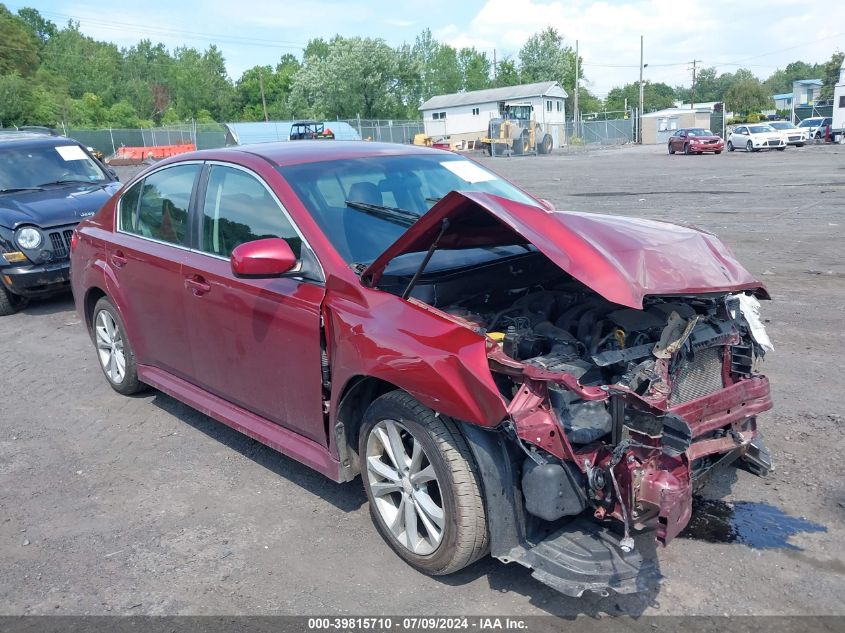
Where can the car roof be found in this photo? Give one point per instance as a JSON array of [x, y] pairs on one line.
[[32, 139], [296, 152]]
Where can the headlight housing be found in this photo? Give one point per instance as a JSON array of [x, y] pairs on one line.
[[28, 238]]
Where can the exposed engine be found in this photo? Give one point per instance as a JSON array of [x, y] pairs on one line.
[[671, 351]]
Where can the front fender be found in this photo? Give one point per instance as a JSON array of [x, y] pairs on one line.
[[441, 363]]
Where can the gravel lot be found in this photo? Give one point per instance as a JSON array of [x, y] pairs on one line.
[[144, 506]]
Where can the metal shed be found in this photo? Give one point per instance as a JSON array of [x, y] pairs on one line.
[[273, 131]]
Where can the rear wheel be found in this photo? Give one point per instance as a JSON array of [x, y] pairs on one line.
[[422, 485], [545, 146], [10, 302], [780, 149], [671, 149], [117, 360]]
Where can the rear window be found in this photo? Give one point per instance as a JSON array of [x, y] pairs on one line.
[[157, 207]]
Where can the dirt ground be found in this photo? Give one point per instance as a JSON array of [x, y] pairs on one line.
[[143, 506]]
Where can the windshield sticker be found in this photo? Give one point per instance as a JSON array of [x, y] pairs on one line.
[[468, 172], [71, 152]]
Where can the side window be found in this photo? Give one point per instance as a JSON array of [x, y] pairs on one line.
[[129, 208], [238, 208], [162, 211]]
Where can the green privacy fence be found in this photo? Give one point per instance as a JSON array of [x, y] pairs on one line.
[[806, 112]]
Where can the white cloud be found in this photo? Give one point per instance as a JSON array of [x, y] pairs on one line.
[[720, 33]]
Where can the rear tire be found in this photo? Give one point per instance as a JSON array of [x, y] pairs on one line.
[[545, 146], [671, 149], [117, 359], [10, 302], [412, 458]]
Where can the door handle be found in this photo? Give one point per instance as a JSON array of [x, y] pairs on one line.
[[197, 285], [118, 259]]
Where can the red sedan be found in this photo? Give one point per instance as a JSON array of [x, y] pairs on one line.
[[695, 140], [504, 377]]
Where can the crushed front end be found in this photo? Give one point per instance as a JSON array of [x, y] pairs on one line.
[[621, 413]]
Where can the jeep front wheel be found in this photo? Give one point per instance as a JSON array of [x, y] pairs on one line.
[[422, 485]]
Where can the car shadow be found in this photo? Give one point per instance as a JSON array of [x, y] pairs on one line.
[[53, 304], [346, 497]]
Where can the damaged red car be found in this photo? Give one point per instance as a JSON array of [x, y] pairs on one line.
[[539, 385]]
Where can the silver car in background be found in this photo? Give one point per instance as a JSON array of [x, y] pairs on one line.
[[754, 137]]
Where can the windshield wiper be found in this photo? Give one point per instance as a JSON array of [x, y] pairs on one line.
[[69, 181], [17, 189], [391, 214]]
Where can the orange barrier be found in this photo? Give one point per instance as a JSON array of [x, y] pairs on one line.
[[137, 155]]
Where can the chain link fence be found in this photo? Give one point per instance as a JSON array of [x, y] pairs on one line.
[[603, 128], [210, 136]]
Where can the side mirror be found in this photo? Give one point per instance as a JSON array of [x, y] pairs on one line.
[[112, 172], [269, 257], [548, 206]]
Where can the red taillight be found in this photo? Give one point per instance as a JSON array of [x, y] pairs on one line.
[[74, 238]]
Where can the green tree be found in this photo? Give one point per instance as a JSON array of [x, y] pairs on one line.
[[545, 57], [474, 68], [830, 74], [86, 64], [18, 45], [746, 94], [507, 73], [445, 74], [42, 28], [277, 87], [781, 80], [15, 100], [656, 96]]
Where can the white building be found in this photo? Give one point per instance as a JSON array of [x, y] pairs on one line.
[[464, 115], [839, 104]]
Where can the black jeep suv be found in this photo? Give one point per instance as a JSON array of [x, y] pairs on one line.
[[47, 185]]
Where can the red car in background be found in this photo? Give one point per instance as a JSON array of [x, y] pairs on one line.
[[695, 140], [504, 377]]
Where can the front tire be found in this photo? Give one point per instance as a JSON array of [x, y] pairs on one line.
[[117, 359], [422, 484], [686, 149], [718, 151], [780, 149], [749, 146], [730, 146], [671, 149], [10, 302]]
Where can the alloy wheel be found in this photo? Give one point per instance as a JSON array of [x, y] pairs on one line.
[[110, 347], [749, 146], [405, 488]]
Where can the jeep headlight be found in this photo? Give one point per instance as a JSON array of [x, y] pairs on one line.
[[28, 238]]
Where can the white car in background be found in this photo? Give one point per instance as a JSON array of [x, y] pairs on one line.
[[792, 134], [815, 126], [754, 137]]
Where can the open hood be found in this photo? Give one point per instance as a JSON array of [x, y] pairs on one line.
[[622, 259]]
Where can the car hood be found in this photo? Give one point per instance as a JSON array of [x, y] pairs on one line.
[[714, 137], [623, 259], [54, 206]]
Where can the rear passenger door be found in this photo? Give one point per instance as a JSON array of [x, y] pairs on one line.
[[146, 256], [255, 342]]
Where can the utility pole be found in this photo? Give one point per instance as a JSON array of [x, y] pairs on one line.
[[692, 93], [263, 100], [575, 107], [495, 70], [640, 122]]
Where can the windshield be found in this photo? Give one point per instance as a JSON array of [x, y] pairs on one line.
[[699, 131], [43, 165], [360, 232], [809, 122], [782, 125], [761, 129]]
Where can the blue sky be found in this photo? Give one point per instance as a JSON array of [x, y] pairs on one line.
[[724, 33]]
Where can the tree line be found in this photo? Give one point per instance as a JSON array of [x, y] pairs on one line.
[[51, 75]]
